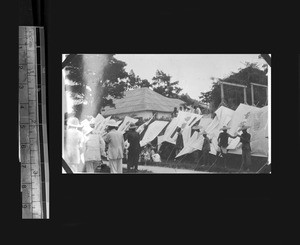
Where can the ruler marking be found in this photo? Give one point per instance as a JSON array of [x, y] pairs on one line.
[[33, 149]]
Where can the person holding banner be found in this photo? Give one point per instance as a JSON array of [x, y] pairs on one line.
[[205, 148], [115, 142], [174, 113], [223, 143], [179, 142], [246, 149]]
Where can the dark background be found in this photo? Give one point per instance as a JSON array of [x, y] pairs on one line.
[[149, 27]]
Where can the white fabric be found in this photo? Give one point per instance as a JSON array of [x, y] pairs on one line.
[[212, 127], [258, 122], [101, 125], [239, 117], [115, 166], [152, 131], [184, 120], [126, 123], [85, 123], [159, 141], [99, 118], [156, 157], [94, 145]]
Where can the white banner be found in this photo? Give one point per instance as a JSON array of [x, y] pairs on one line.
[[152, 131], [222, 118], [126, 123]]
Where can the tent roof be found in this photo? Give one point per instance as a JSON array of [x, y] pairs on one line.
[[142, 99]]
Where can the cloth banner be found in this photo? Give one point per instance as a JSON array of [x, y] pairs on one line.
[[101, 125], [126, 123], [239, 118], [258, 122], [184, 120], [159, 141], [222, 118], [99, 118], [141, 128], [152, 131], [85, 123]]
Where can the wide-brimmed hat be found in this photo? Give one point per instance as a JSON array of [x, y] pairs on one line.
[[112, 123], [74, 122], [132, 126], [244, 127], [225, 128], [204, 132]]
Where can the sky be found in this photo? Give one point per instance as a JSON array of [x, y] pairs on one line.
[[193, 71]]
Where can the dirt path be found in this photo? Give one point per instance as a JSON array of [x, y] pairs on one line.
[[165, 170]]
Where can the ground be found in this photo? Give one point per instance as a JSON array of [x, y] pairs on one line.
[[188, 165]]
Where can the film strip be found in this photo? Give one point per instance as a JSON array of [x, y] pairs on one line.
[[33, 146]]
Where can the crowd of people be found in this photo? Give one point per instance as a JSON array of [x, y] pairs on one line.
[[195, 109], [222, 146], [85, 147]]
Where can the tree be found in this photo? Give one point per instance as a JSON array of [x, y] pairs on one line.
[[162, 84], [188, 100], [95, 81], [233, 95], [134, 82]]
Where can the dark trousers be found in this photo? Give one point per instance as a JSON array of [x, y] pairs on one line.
[[133, 159], [205, 157], [246, 159]]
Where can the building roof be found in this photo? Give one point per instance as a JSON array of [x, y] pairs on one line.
[[142, 99]]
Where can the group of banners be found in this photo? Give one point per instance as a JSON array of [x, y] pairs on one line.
[[255, 118]]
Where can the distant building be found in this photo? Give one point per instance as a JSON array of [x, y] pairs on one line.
[[142, 102]]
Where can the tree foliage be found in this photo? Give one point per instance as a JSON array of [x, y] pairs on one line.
[[95, 80], [188, 100], [235, 95], [134, 82], [162, 84]]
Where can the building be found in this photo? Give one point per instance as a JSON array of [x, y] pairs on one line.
[[142, 102]]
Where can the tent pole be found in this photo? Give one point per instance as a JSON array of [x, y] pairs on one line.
[[252, 94]]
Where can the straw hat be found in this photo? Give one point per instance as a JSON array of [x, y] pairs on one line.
[[132, 126], [112, 123], [225, 128], [244, 127], [74, 122]]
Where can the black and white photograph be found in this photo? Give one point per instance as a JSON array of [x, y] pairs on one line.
[[166, 113], [179, 92]]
